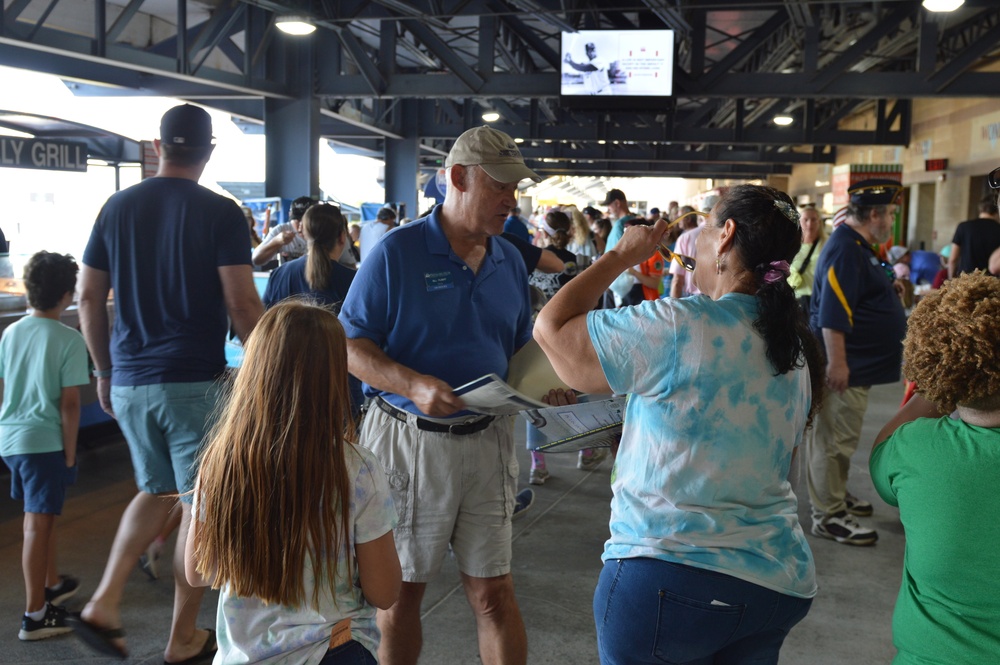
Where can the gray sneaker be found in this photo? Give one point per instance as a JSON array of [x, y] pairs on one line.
[[538, 476], [843, 528], [593, 460]]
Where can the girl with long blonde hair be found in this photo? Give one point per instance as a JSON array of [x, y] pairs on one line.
[[582, 238], [292, 520]]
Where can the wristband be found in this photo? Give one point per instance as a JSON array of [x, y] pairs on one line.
[[102, 373]]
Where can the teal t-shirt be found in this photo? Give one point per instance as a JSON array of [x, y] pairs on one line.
[[701, 477], [38, 358], [945, 477]]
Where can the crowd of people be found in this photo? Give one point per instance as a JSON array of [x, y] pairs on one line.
[[322, 486]]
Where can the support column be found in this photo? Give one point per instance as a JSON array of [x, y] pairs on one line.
[[402, 160], [291, 129]]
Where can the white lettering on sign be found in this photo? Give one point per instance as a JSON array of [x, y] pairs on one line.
[[42, 154]]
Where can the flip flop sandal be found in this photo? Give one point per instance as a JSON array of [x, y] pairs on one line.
[[206, 654], [96, 637]]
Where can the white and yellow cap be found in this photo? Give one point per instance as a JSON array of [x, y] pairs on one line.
[[494, 151]]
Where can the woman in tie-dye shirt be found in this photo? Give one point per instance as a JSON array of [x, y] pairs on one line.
[[706, 562]]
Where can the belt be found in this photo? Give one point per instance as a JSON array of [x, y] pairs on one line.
[[461, 429]]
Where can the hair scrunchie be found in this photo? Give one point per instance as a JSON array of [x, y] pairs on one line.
[[777, 270]]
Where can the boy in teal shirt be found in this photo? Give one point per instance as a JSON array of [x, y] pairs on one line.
[[42, 365]]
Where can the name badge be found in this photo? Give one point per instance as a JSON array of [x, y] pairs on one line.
[[438, 281]]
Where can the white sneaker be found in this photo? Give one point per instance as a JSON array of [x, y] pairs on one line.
[[843, 528]]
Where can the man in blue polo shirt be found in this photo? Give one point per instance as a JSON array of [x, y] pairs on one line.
[[439, 302], [857, 314]]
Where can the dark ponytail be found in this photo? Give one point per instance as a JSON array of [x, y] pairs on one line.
[[767, 238], [324, 225], [559, 228]]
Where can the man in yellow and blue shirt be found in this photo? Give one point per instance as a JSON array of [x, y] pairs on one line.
[[858, 316]]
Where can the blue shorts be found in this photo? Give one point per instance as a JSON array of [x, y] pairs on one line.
[[40, 480], [164, 425]]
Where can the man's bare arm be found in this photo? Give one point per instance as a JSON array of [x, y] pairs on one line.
[[956, 251], [994, 265], [369, 363], [269, 249], [837, 372], [242, 302], [95, 286]]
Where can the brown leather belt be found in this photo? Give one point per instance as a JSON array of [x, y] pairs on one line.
[[461, 429]]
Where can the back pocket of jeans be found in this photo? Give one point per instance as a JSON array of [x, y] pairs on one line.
[[688, 629]]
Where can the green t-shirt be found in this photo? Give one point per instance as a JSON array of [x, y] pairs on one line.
[[945, 477], [38, 358]]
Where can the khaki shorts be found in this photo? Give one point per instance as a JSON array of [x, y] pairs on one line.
[[449, 490]]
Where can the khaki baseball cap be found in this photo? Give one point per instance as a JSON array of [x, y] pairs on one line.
[[494, 151]]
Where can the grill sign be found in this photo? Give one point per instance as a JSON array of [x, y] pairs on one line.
[[43, 154]]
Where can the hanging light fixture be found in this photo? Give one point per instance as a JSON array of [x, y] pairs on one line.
[[295, 25], [783, 120], [942, 5], [491, 116]]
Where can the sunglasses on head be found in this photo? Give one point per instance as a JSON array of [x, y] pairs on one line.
[[994, 178], [685, 262], [700, 213]]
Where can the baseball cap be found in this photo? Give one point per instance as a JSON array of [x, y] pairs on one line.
[[591, 211], [299, 207], [186, 125], [896, 252], [654, 211], [614, 195], [875, 192], [385, 213], [494, 151]]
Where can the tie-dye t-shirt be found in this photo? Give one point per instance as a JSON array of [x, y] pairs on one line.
[[249, 631], [701, 477]]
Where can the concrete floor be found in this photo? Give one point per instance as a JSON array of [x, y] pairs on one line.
[[557, 548]]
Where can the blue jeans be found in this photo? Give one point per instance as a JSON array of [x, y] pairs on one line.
[[351, 653], [652, 611]]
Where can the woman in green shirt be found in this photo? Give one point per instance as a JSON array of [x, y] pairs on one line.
[[800, 277]]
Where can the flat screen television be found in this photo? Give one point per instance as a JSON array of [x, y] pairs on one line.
[[616, 69]]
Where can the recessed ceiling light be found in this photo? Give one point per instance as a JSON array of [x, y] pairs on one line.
[[783, 120], [295, 25], [491, 116], [942, 5]]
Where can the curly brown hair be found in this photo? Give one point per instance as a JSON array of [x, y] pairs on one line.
[[950, 350]]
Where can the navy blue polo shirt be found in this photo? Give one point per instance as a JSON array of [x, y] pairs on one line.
[[423, 306], [853, 293], [289, 279]]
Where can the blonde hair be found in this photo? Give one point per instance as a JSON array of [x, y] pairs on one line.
[[581, 227], [324, 226], [273, 486]]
